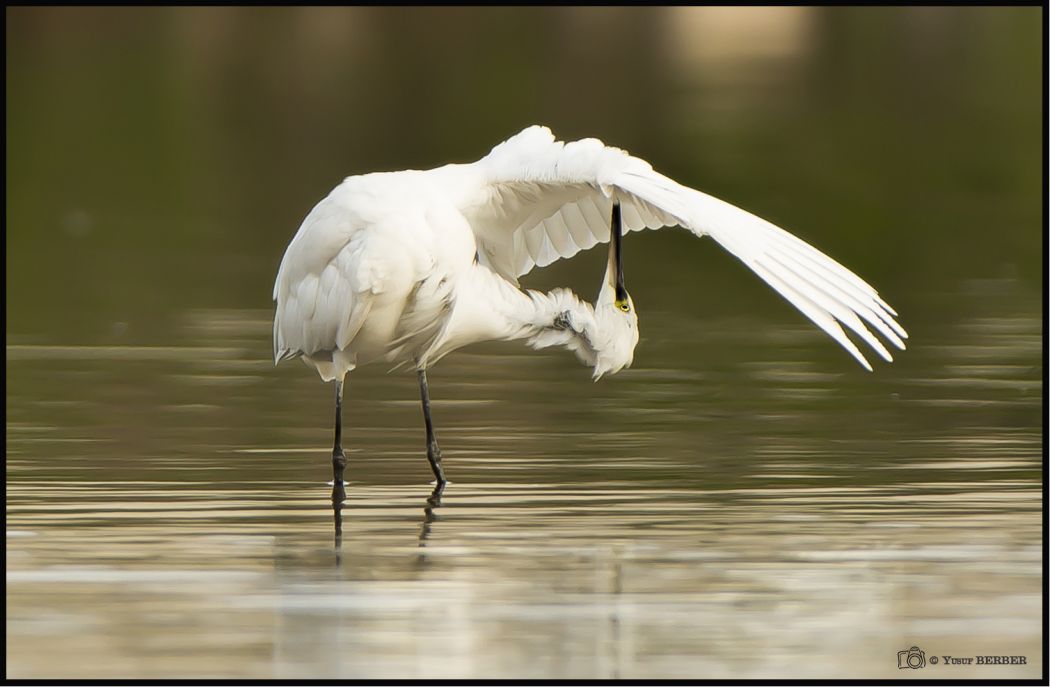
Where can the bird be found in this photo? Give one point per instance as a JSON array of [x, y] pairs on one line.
[[406, 267]]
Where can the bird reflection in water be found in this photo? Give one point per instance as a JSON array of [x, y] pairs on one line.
[[338, 500], [432, 503]]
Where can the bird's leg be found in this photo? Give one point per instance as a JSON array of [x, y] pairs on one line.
[[433, 452], [338, 457]]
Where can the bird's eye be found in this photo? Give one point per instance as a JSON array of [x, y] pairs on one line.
[[624, 306]]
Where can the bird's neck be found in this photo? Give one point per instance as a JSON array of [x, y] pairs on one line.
[[561, 319], [489, 308]]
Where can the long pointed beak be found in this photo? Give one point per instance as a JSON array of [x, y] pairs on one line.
[[616, 252]]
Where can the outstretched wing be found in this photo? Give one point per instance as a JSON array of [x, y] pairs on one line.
[[543, 200]]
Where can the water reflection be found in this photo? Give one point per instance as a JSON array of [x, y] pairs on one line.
[[742, 503], [775, 514], [338, 500], [431, 504], [429, 512], [613, 581]]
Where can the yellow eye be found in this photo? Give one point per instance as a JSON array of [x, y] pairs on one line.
[[623, 305]]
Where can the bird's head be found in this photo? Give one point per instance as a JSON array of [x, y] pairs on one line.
[[614, 314]]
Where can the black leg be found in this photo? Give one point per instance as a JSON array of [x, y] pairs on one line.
[[338, 457], [433, 452]]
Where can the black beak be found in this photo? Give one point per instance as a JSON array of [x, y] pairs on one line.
[[616, 229]]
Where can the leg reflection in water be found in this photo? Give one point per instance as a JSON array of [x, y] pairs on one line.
[[429, 517], [433, 501], [339, 502], [338, 499]]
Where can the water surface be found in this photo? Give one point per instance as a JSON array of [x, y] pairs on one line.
[[168, 514], [744, 502]]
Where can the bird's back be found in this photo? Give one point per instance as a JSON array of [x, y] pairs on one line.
[[363, 273]]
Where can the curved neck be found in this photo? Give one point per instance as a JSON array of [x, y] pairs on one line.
[[488, 308], [562, 319]]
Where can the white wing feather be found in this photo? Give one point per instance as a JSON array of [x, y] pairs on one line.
[[325, 286], [543, 200]]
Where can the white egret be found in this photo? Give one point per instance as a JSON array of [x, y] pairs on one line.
[[408, 266]]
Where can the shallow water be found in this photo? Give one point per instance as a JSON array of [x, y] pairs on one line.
[[744, 502], [772, 516]]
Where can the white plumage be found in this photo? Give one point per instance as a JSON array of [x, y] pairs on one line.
[[408, 266]]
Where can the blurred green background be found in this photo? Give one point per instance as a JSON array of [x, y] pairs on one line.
[[745, 501], [159, 159]]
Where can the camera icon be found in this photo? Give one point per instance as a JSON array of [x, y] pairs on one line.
[[913, 658]]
